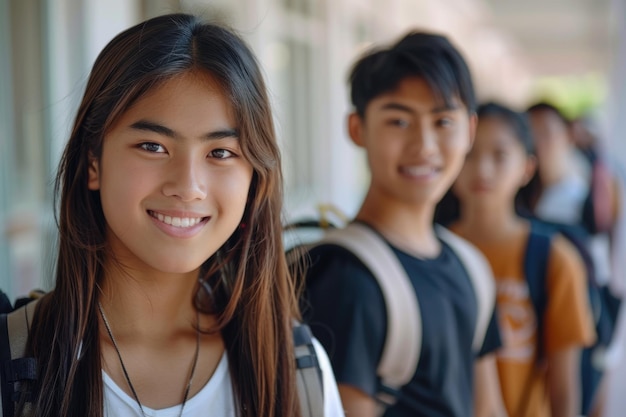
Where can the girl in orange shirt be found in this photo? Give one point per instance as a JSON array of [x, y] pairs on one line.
[[539, 374]]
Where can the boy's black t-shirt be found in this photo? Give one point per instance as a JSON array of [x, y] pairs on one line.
[[346, 311]]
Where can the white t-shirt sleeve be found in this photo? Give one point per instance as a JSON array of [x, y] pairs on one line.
[[332, 401]]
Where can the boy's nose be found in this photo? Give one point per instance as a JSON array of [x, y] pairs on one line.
[[425, 141], [186, 181]]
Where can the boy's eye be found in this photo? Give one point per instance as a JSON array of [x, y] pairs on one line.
[[221, 154], [444, 122], [401, 123], [152, 147]]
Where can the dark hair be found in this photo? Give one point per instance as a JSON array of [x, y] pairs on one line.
[[547, 107], [418, 54], [515, 120], [448, 209], [255, 300]]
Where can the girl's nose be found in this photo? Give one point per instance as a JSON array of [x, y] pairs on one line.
[[485, 168], [186, 181]]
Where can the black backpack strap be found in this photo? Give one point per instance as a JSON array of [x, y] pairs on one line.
[[308, 373], [6, 387], [15, 368], [5, 303], [535, 270]]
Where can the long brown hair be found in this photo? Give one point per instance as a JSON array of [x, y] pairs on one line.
[[253, 294]]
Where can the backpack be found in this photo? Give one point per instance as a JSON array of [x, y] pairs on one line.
[[597, 215], [15, 368], [401, 351], [604, 305], [5, 303]]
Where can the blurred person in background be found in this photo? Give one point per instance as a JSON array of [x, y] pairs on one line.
[[543, 311], [603, 217], [575, 192]]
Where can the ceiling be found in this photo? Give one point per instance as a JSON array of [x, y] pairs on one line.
[[559, 37]]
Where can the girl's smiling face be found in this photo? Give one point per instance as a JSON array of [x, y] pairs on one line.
[[172, 178], [496, 167]]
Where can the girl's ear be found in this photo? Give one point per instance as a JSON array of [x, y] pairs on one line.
[[355, 129], [94, 173], [529, 169]]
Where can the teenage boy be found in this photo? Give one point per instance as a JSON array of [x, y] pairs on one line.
[[414, 117]]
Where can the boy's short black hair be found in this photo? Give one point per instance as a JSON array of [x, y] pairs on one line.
[[418, 54], [545, 106], [518, 122]]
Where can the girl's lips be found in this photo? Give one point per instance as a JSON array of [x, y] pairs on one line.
[[179, 227], [480, 188], [182, 221]]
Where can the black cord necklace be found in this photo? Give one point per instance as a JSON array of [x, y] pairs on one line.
[[130, 384]]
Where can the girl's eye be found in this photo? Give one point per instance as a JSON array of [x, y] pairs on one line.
[[221, 154], [152, 147]]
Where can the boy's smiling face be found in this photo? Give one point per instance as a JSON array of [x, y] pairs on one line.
[[415, 145]]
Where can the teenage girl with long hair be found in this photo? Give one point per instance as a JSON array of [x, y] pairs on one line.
[[539, 373], [172, 294]]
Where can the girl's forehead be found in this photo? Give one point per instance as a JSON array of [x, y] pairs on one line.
[[189, 81], [497, 131], [185, 102]]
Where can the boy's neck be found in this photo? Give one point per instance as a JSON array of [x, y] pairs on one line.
[[408, 227]]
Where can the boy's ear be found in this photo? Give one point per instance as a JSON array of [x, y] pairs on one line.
[[473, 123], [355, 129], [530, 169], [94, 173]]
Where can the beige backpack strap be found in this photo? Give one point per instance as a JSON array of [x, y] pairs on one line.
[[482, 279], [18, 324], [403, 342]]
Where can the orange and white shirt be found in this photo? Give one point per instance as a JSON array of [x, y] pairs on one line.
[[568, 319]]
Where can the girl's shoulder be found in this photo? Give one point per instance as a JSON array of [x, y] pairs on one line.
[[332, 400], [564, 253]]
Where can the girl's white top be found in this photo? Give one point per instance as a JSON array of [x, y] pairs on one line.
[[215, 397]]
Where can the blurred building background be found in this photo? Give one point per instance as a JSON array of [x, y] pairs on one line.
[[572, 52]]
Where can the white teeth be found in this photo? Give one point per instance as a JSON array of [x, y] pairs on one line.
[[418, 171], [178, 221]]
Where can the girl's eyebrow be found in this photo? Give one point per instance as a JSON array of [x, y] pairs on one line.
[[149, 126]]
